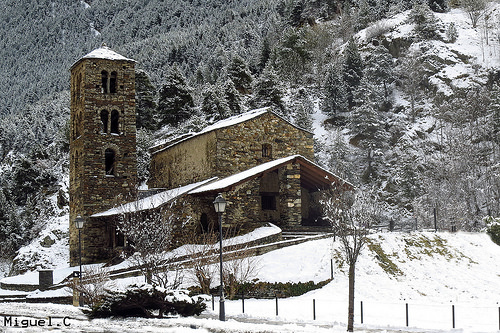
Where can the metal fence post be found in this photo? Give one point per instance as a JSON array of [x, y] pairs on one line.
[[213, 303], [453, 315], [361, 312], [276, 305], [243, 302], [314, 309], [407, 319]]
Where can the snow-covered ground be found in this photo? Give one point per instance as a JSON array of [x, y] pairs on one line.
[[431, 272]]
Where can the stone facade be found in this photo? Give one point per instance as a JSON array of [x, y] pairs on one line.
[[227, 150], [103, 162]]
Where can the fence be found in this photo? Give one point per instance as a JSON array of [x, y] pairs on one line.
[[416, 315]]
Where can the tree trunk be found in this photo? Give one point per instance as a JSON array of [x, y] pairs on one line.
[[350, 315]]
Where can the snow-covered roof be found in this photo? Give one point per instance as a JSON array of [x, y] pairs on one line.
[[103, 52], [153, 201], [318, 176], [238, 119]]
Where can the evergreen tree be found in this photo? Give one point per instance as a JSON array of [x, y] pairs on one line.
[[239, 73], [265, 55], [267, 92], [232, 96], [379, 74], [175, 100], [213, 103], [424, 20], [352, 69], [145, 104], [335, 92]]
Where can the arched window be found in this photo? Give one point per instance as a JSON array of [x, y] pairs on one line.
[[110, 161], [104, 120], [204, 223], [115, 117], [112, 83], [104, 82]]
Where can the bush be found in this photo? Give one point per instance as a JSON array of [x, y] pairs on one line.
[[147, 301], [493, 228]]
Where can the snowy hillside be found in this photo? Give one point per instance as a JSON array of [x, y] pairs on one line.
[[429, 271]]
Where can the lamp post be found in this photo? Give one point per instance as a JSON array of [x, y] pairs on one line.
[[220, 207], [79, 221]]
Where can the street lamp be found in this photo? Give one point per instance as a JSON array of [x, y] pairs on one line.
[[79, 221], [220, 207]]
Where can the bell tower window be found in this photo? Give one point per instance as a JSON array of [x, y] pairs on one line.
[[110, 162], [104, 82], [112, 83], [115, 117], [108, 82], [104, 121]]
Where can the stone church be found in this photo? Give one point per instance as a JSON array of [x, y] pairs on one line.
[[260, 163]]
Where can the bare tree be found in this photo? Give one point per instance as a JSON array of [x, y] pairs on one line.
[[240, 270], [149, 232], [475, 9], [202, 254], [94, 284], [351, 213]]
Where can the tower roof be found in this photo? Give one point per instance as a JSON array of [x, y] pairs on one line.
[[103, 52]]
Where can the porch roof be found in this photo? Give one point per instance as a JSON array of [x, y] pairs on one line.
[[312, 176]]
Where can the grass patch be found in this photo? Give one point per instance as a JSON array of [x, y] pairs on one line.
[[384, 259]]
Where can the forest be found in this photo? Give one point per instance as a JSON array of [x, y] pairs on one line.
[[385, 116]]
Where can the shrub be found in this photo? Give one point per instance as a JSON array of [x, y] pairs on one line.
[[147, 301], [493, 228]]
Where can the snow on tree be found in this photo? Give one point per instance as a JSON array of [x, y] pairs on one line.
[[175, 99], [145, 105], [425, 22], [352, 69], [239, 73], [267, 91], [335, 91]]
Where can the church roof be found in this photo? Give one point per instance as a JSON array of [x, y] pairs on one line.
[[312, 176], [103, 52], [238, 119], [153, 201]]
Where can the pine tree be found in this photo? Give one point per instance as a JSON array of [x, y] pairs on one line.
[[267, 92], [145, 105], [424, 20], [239, 73], [175, 100], [352, 69], [335, 92], [232, 97], [213, 103]]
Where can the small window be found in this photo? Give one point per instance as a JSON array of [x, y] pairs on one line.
[[268, 202], [266, 150], [104, 82], [104, 121], [115, 117], [112, 83], [110, 161]]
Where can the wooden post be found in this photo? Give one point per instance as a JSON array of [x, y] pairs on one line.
[[276, 305], [213, 303], [243, 302], [331, 269]]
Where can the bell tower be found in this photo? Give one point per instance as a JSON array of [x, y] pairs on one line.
[[103, 161]]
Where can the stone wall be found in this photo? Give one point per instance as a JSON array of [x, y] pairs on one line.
[[186, 162], [240, 147], [229, 150]]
